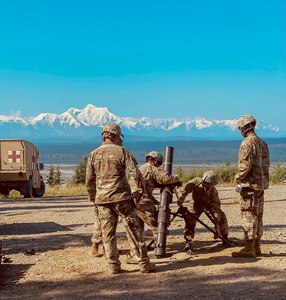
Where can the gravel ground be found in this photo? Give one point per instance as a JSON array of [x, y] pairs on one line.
[[59, 230]]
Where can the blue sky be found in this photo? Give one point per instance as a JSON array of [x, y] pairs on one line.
[[213, 59]]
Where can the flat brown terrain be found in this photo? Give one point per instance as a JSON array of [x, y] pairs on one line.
[[59, 230]]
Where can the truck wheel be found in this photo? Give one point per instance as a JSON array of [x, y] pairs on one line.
[[4, 193], [39, 192], [28, 190]]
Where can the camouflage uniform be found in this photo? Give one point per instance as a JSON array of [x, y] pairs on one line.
[[97, 235], [154, 177], [108, 186], [203, 200], [253, 176]]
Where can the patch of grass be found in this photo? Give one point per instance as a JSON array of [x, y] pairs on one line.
[[278, 174], [14, 194], [226, 173], [68, 190], [57, 190]]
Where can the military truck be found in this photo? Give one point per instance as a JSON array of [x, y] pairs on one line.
[[19, 169]]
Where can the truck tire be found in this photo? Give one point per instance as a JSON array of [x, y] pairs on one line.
[[4, 193], [28, 189], [39, 192]]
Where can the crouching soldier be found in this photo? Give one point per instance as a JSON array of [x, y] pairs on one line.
[[205, 198], [154, 177]]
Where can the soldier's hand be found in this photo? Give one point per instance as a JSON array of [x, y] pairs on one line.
[[238, 188], [218, 232], [180, 202]]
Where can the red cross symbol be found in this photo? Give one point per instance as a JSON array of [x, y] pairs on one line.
[[14, 156]]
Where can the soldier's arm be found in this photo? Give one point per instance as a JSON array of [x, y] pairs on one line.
[[136, 180], [90, 180], [188, 188], [245, 162], [266, 157], [215, 206], [163, 178]]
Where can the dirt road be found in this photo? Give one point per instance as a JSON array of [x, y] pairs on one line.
[[59, 230]]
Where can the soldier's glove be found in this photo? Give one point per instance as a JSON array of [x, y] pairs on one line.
[[238, 188], [180, 201], [217, 233]]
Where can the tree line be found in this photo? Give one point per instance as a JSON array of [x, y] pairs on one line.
[[225, 173]]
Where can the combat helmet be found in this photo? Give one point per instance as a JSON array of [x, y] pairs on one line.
[[156, 155], [246, 123], [112, 128], [210, 177], [113, 131]]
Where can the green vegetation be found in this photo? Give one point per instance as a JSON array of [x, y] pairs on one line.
[[77, 187], [278, 174], [54, 177], [186, 176], [56, 190], [66, 190], [226, 173], [79, 176]]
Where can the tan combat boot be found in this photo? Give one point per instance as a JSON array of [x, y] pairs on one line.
[[115, 269], [94, 250], [148, 268], [247, 251], [188, 245], [257, 248]]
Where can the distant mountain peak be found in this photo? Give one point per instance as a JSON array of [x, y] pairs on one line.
[[81, 123]]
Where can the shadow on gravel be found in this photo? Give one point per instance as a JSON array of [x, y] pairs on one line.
[[243, 283], [30, 207], [271, 242], [10, 274], [45, 243], [56, 199], [31, 228]]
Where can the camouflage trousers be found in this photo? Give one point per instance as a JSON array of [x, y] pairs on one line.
[[189, 232], [97, 235], [108, 216], [251, 207], [147, 213]]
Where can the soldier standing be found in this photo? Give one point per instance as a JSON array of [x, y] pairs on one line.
[[154, 177], [108, 187], [96, 238], [205, 198], [252, 178]]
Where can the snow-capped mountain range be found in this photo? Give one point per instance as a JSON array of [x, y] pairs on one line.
[[87, 123]]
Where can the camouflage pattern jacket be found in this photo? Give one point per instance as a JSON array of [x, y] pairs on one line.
[[106, 179], [203, 200], [155, 177], [253, 163]]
